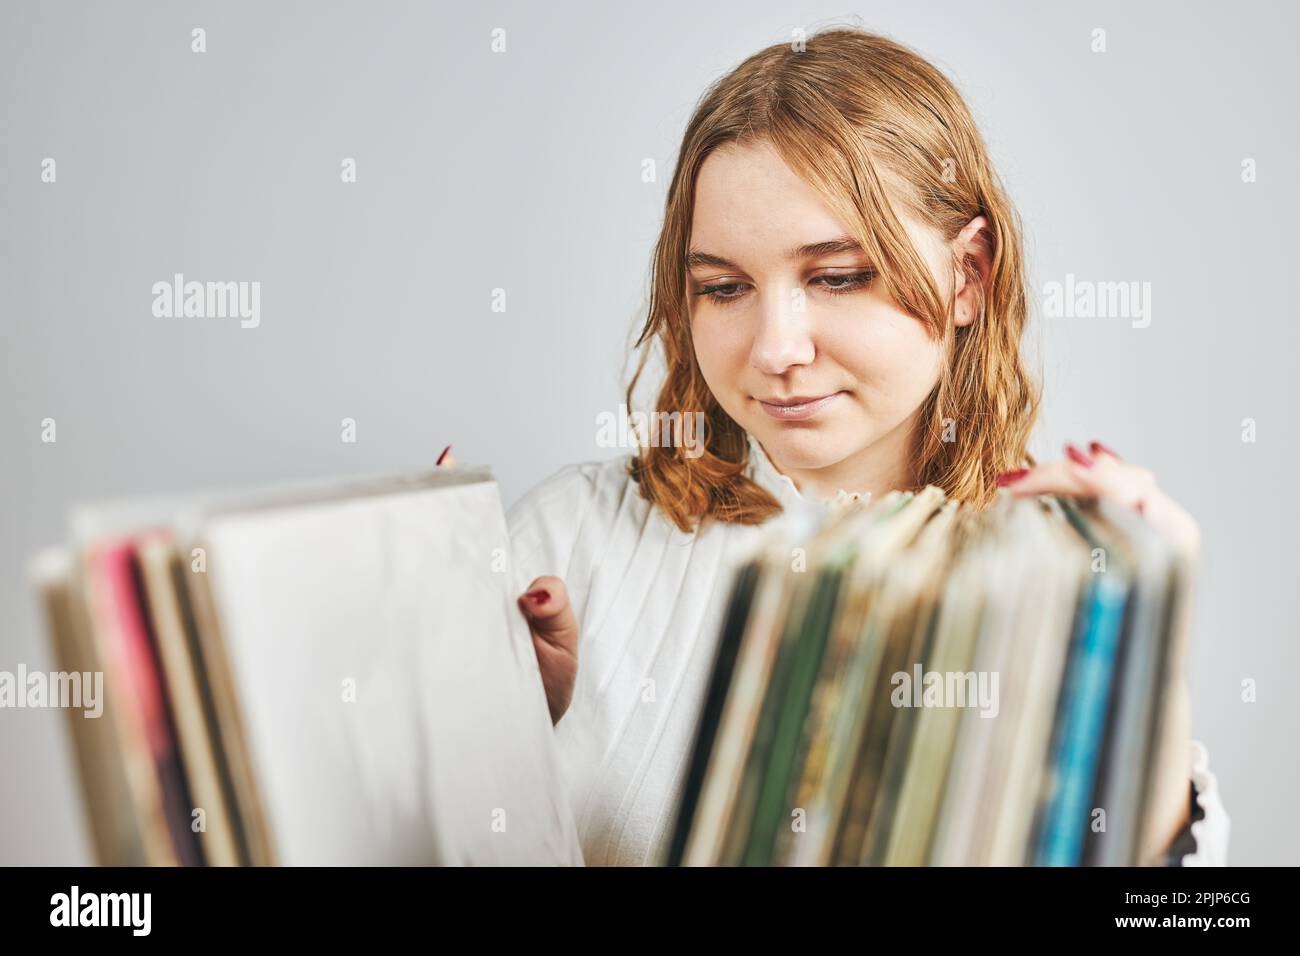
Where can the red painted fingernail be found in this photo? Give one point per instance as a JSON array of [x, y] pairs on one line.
[[1078, 457], [1011, 477], [1098, 448], [538, 595], [443, 455]]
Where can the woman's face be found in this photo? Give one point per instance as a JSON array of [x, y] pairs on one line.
[[799, 344]]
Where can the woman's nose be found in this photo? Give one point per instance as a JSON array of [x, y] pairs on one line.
[[783, 336]]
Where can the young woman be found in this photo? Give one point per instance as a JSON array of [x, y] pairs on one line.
[[839, 272]]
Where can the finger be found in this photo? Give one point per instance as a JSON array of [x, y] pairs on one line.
[[446, 459], [1118, 487], [550, 616], [1050, 478], [1098, 450], [1109, 476]]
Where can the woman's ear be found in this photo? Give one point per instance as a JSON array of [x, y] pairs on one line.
[[973, 248]]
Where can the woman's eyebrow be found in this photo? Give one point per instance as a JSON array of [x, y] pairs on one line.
[[697, 258], [811, 250], [830, 247]]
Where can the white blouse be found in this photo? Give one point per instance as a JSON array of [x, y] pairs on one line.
[[649, 600]]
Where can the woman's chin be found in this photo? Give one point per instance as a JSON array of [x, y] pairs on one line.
[[804, 449]]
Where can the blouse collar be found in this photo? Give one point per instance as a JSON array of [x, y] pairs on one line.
[[781, 486]]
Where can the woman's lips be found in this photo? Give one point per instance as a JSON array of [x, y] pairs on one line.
[[797, 407]]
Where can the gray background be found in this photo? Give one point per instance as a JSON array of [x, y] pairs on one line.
[[523, 171]]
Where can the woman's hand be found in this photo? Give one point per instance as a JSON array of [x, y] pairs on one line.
[[546, 607], [554, 628], [1103, 474]]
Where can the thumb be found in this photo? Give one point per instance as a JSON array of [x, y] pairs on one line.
[[446, 459], [550, 615]]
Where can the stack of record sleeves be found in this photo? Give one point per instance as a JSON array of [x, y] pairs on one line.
[[330, 673], [914, 682]]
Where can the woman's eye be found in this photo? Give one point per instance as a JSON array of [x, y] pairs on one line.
[[845, 283], [724, 292]]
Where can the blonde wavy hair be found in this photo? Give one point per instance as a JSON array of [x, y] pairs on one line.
[[852, 113]]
